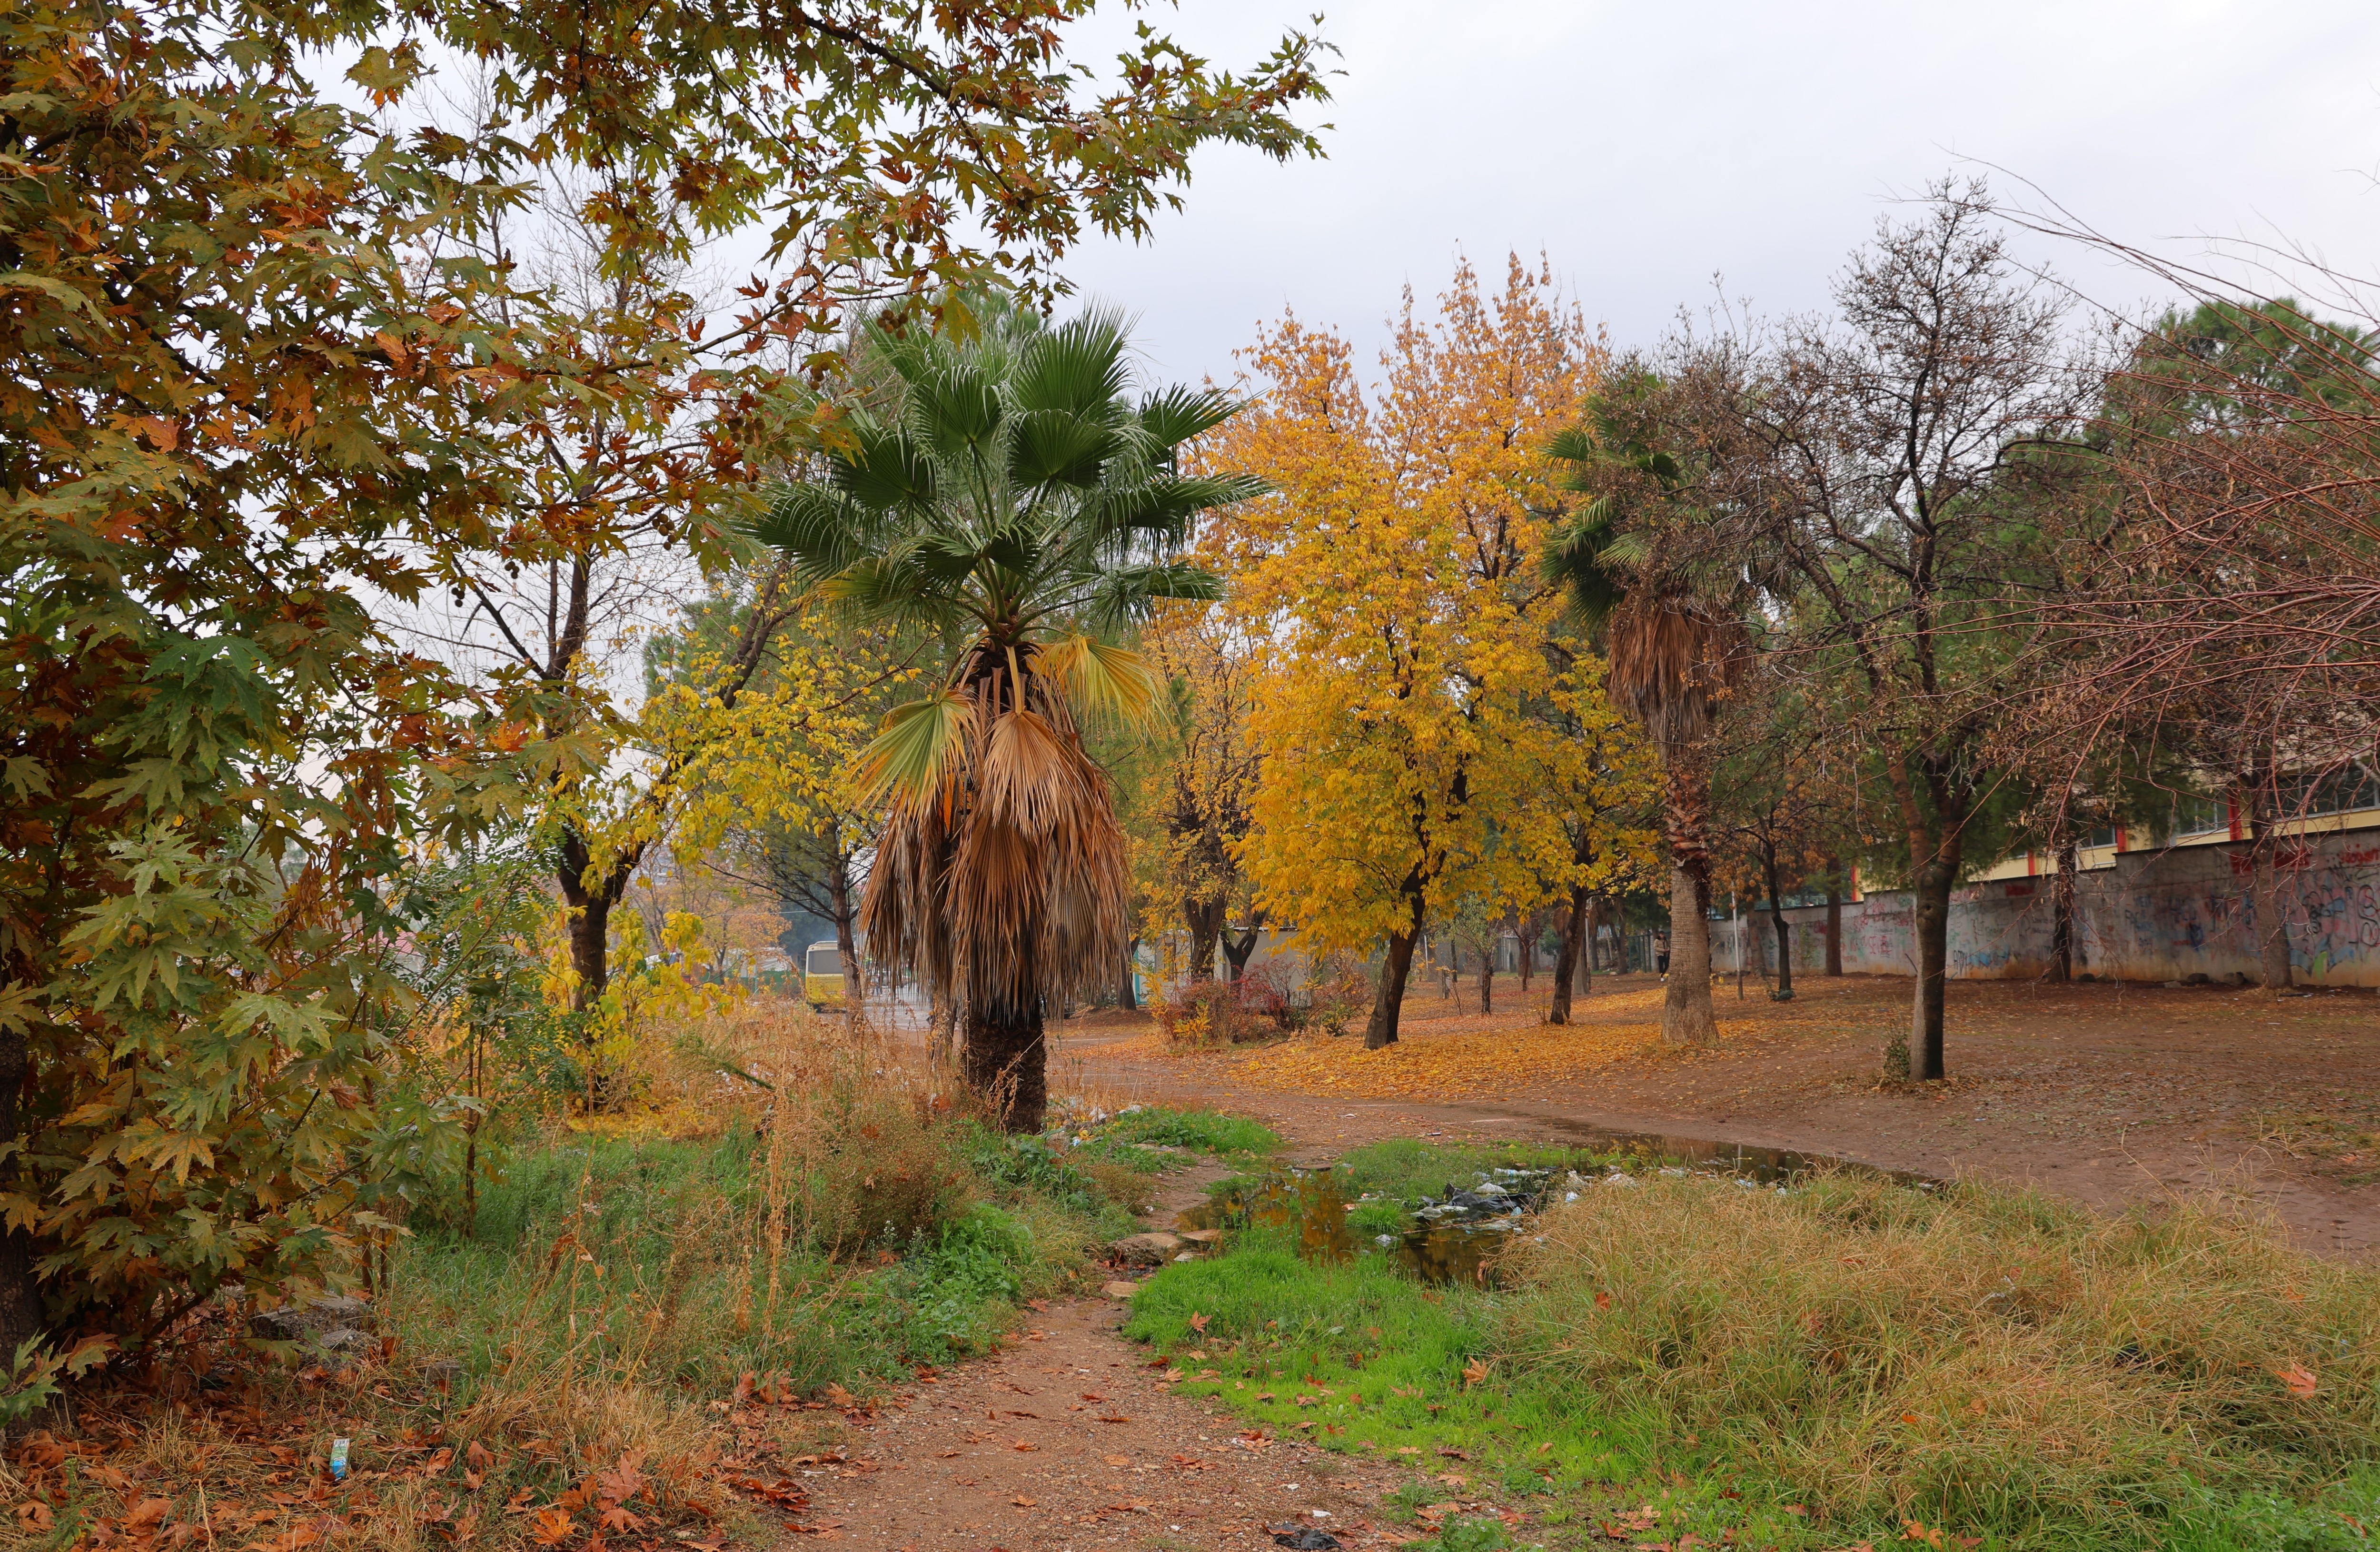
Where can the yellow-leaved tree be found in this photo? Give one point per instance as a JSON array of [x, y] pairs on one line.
[[768, 782], [1408, 712]]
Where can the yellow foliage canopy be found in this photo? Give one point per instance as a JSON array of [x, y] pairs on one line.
[[1427, 732]]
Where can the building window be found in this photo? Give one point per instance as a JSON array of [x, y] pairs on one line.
[[2201, 816], [2340, 790]]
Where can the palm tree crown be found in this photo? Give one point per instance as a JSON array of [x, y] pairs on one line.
[[1016, 500]]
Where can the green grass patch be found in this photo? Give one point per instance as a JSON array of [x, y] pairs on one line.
[[1156, 1139], [655, 1261], [1983, 1362]]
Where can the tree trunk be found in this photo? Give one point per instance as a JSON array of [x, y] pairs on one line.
[[2271, 920], [1834, 918], [1773, 876], [847, 938], [590, 931], [1206, 924], [20, 1289], [1006, 1060], [1487, 976], [1526, 933], [1936, 828], [1575, 944], [943, 1016], [1921, 1057], [2061, 893], [1586, 955], [1686, 1015], [1387, 1001], [1237, 947], [1128, 990]]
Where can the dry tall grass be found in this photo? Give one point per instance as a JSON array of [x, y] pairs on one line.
[[1974, 1357]]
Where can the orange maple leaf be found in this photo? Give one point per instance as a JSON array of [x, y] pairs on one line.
[[2298, 1378], [551, 1526]]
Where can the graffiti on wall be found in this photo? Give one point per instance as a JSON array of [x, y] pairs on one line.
[[2154, 916]]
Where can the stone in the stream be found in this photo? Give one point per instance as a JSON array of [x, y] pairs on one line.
[[1202, 1236], [1121, 1289], [1152, 1249]]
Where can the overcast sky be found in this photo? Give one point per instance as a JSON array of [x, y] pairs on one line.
[[1646, 148]]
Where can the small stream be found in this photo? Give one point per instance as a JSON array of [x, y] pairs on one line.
[[1455, 1236]]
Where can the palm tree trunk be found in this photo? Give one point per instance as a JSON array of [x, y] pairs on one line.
[[1007, 1059], [1686, 1015]]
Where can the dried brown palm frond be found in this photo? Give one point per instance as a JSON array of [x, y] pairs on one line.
[[1001, 870], [1672, 659]]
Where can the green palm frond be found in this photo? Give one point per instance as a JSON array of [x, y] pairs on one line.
[[820, 527], [898, 584], [1164, 506], [1080, 367], [1052, 446], [1111, 682], [1121, 594], [885, 469], [1173, 416], [953, 408], [1574, 445], [918, 751]]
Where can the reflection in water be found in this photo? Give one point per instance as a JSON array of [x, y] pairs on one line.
[[1313, 1202], [1456, 1238]]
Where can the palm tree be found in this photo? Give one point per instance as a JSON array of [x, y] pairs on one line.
[[1009, 494], [1672, 652]]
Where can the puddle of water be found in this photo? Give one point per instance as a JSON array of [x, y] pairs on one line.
[[1748, 1161], [1455, 1237], [1313, 1202]]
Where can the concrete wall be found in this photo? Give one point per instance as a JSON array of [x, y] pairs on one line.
[[2152, 916]]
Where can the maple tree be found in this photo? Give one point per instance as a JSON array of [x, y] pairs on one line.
[[254, 370], [769, 791], [1392, 575]]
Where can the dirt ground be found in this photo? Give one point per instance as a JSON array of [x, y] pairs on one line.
[[1068, 1441], [2109, 1093]]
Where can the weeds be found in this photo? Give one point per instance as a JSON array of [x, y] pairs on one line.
[[612, 1333], [1805, 1369]]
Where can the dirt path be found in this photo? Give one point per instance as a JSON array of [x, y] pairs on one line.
[[2108, 1094], [1068, 1440]]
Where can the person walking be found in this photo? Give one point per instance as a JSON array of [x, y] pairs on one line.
[[1661, 953]]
